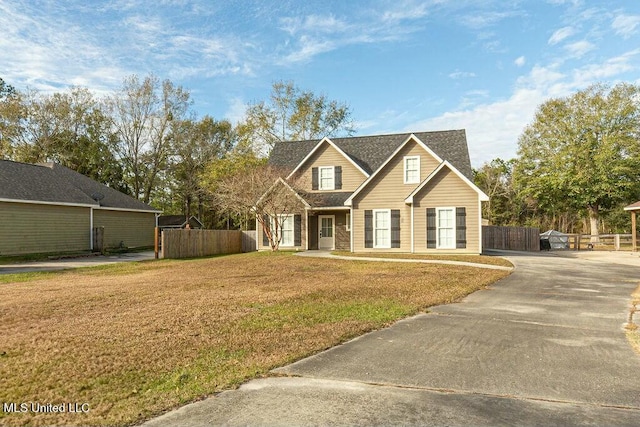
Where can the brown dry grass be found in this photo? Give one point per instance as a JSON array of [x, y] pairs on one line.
[[137, 339], [478, 259]]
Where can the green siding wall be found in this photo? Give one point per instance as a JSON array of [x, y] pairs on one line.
[[134, 229], [31, 228]]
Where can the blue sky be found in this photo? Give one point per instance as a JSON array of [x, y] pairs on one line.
[[401, 65]]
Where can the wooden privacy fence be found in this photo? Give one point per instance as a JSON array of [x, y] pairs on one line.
[[198, 243], [249, 241], [511, 238]]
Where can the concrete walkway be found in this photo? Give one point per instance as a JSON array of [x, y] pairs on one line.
[[67, 263], [544, 346], [328, 254]]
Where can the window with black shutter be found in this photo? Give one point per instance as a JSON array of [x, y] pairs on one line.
[[431, 228], [297, 230], [461, 228], [368, 229], [395, 228], [337, 177]]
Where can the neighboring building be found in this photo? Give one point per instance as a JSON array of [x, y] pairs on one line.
[[50, 208], [633, 209], [387, 193], [178, 221]]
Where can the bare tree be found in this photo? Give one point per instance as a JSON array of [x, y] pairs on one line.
[[143, 114], [263, 191], [292, 114]]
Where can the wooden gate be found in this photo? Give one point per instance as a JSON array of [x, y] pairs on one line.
[[511, 238]]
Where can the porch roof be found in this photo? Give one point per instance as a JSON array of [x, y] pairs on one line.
[[323, 200]]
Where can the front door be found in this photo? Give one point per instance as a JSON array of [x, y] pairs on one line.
[[326, 232]]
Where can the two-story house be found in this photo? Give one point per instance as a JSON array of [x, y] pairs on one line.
[[388, 193]]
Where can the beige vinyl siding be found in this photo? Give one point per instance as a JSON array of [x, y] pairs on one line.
[[326, 155], [342, 241], [133, 229], [446, 189], [388, 191], [33, 228]]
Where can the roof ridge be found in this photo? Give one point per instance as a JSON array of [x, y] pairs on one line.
[[24, 163], [381, 135]]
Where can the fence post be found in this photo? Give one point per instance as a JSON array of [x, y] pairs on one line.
[[616, 241], [155, 243]]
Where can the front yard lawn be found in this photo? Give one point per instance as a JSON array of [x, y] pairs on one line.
[[135, 339]]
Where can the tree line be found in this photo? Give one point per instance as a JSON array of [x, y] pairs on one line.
[[577, 166], [145, 139]]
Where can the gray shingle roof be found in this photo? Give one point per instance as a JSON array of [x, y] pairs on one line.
[[370, 152], [53, 183], [321, 200]]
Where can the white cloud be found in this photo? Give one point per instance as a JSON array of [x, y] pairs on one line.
[[493, 128], [317, 34], [236, 110], [461, 74], [308, 48], [560, 35], [485, 19], [49, 54], [626, 25], [313, 23], [579, 48], [405, 11], [520, 61], [611, 67]]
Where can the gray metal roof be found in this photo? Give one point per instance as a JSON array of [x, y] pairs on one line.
[[53, 183], [370, 152]]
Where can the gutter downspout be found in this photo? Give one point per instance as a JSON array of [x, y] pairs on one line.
[[351, 228], [91, 229], [412, 244]]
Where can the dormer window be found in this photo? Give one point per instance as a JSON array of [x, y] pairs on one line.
[[327, 178], [412, 169]]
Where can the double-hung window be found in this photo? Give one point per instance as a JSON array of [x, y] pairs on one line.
[[327, 178], [446, 220], [412, 169], [382, 228], [286, 230]]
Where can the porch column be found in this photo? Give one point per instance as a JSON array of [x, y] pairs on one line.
[[634, 243]]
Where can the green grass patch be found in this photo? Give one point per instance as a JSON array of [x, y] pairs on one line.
[[312, 311], [27, 277]]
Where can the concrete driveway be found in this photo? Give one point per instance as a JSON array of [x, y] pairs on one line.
[[545, 346], [67, 263]]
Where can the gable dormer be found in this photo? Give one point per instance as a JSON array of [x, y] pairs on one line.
[[404, 170], [327, 168]]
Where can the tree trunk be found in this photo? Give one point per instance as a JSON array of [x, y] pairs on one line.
[[593, 222]]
